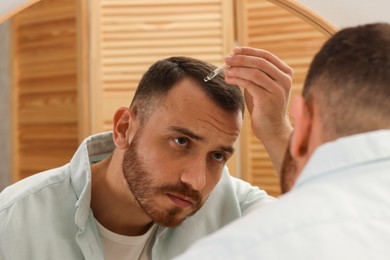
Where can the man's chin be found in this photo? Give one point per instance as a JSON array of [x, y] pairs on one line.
[[170, 223], [173, 221]]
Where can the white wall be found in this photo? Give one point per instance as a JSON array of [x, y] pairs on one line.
[[345, 13], [5, 146]]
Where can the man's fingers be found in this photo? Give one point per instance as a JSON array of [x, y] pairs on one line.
[[265, 55], [252, 78], [257, 66]]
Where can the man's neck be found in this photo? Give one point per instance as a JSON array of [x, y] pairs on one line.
[[113, 204]]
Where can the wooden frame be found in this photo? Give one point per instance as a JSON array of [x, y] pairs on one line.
[[17, 9], [307, 15]]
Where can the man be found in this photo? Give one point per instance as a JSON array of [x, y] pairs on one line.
[[158, 182], [337, 165]]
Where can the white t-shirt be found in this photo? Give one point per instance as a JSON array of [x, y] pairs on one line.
[[117, 246]]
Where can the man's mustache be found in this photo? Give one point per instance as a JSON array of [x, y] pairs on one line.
[[182, 189]]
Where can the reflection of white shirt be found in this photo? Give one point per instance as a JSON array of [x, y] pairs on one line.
[[116, 246], [338, 209]]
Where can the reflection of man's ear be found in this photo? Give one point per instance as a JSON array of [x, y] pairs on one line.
[[125, 127], [302, 127]]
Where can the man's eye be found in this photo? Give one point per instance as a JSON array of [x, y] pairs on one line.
[[181, 141], [218, 156]]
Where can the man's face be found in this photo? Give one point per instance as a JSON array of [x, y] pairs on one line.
[[177, 157]]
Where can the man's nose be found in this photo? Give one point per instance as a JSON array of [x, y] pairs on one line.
[[195, 175]]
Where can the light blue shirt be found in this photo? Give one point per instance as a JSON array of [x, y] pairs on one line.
[[338, 209], [48, 215]]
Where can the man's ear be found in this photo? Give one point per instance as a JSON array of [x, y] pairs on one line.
[[125, 127], [302, 127]]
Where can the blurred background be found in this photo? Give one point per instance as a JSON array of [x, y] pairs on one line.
[[67, 65]]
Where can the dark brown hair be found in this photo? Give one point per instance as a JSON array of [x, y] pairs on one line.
[[350, 80], [164, 74]]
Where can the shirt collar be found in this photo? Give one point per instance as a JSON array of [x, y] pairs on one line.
[[346, 152], [93, 148]]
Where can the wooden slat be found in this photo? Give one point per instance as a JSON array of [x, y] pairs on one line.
[[48, 108], [141, 3], [52, 132], [120, 34], [47, 12], [45, 85], [35, 157]]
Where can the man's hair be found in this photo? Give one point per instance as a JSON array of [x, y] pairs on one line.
[[349, 79], [164, 74]]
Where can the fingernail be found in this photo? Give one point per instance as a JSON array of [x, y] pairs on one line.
[[237, 50], [229, 58]]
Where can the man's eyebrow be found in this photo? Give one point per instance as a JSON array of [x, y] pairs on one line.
[[229, 149], [186, 132], [192, 135]]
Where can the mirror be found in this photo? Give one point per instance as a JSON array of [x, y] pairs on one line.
[[67, 78]]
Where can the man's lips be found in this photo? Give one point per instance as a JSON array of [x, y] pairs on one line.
[[180, 200]]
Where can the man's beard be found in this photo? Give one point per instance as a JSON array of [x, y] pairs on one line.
[[288, 171], [141, 185]]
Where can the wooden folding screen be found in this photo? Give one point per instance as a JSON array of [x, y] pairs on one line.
[[44, 74]]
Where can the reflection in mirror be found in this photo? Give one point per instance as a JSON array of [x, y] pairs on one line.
[[125, 38]]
